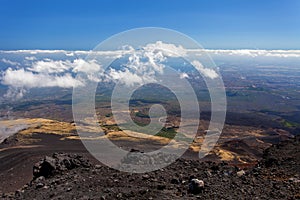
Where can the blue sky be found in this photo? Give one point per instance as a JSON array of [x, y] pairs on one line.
[[216, 24]]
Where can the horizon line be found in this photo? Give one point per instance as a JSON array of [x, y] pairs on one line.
[[85, 50]]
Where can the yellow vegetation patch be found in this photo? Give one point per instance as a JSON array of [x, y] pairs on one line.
[[225, 155], [76, 137], [135, 136], [48, 126], [196, 145], [121, 135]]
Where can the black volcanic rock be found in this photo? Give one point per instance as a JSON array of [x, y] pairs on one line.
[[196, 186], [58, 163], [284, 156]]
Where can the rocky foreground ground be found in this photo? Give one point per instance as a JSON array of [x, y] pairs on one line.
[[70, 176]]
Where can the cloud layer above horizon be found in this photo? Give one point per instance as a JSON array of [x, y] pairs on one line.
[[58, 68]]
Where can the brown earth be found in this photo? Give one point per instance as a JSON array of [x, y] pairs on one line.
[[43, 137], [277, 176]]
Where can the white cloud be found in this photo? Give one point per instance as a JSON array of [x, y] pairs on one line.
[[142, 66], [30, 58], [183, 75], [249, 52], [37, 51], [16, 78], [169, 50], [166, 49], [50, 66], [70, 54], [47, 73], [80, 65], [210, 73], [145, 63], [126, 77], [10, 62]]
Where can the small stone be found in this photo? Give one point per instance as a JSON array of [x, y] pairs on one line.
[[98, 166], [39, 185], [119, 195], [116, 180], [240, 173], [146, 176]]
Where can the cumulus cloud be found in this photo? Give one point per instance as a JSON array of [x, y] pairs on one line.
[[17, 79], [126, 77], [145, 63], [207, 72], [47, 73], [166, 49], [50, 66], [80, 65], [140, 66]]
